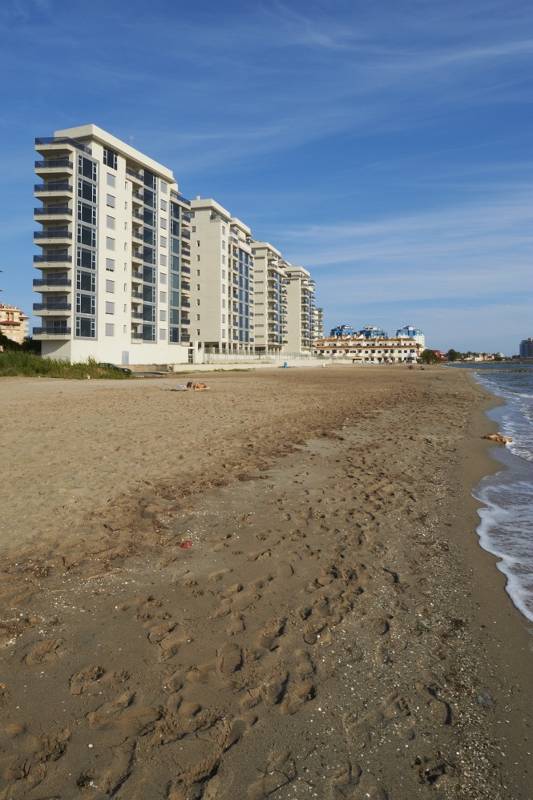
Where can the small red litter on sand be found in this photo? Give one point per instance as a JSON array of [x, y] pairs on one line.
[[186, 544]]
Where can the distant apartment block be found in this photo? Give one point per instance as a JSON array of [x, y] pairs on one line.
[[222, 281], [318, 323], [526, 348], [114, 252], [300, 310], [13, 323], [270, 296], [370, 350], [410, 332]]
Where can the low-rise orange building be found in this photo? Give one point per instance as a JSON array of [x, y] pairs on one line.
[[394, 350], [13, 323]]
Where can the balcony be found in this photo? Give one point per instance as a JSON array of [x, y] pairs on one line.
[[137, 336], [137, 255], [135, 174], [185, 268], [53, 260], [185, 303], [137, 275], [137, 197], [137, 315], [137, 235], [185, 234], [53, 308], [51, 332], [185, 287], [47, 143], [137, 295], [52, 236], [53, 189], [54, 166], [52, 283], [52, 213]]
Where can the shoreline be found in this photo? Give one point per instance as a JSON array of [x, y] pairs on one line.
[[330, 619]]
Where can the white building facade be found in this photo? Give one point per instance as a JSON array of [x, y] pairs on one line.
[[300, 310], [270, 299], [361, 349], [115, 252], [410, 332], [222, 281]]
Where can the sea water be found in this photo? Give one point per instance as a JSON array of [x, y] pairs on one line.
[[506, 516]]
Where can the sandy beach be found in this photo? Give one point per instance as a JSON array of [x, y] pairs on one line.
[[270, 589]]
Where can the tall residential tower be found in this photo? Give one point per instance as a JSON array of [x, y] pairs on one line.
[[115, 252]]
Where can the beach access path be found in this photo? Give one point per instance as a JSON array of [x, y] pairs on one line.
[[270, 589]]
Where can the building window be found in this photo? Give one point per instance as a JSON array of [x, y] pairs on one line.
[[109, 329], [110, 221], [111, 180], [163, 278], [198, 257], [110, 264], [86, 235], [162, 315], [110, 243], [110, 158], [85, 303], [162, 260], [164, 187], [163, 242], [85, 281], [110, 200], [85, 327], [110, 286], [162, 334], [86, 258], [193, 228], [109, 307], [163, 223], [162, 297], [198, 317], [163, 205]]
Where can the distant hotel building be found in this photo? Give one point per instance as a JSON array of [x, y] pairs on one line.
[[370, 350], [410, 332], [318, 324], [526, 348], [13, 323], [115, 252]]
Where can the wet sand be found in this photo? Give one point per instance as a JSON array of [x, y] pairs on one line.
[[272, 589]]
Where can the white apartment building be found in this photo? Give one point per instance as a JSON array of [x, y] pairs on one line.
[[318, 323], [270, 296], [222, 317], [300, 310], [115, 252], [362, 350]]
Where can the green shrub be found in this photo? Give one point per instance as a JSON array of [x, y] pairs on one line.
[[19, 362]]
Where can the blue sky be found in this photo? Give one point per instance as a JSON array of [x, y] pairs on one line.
[[386, 146]]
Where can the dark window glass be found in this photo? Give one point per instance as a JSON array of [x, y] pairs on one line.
[[86, 258], [175, 263], [87, 236], [149, 313], [174, 281], [148, 217], [148, 255], [149, 333], [174, 299], [87, 213], [175, 245], [110, 158], [174, 228], [87, 191], [148, 294], [85, 281], [87, 168], [85, 327], [149, 178], [148, 198], [149, 274], [85, 303], [174, 316], [175, 210], [174, 335], [149, 236]]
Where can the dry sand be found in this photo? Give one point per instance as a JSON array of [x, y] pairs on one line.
[[333, 631]]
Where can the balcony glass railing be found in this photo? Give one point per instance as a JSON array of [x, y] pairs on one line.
[[136, 335], [137, 295], [51, 331], [62, 140], [53, 280], [185, 234], [53, 233], [52, 211], [63, 186], [51, 257], [51, 306], [52, 163]]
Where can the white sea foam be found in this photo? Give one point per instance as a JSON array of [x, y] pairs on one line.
[[506, 517]]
